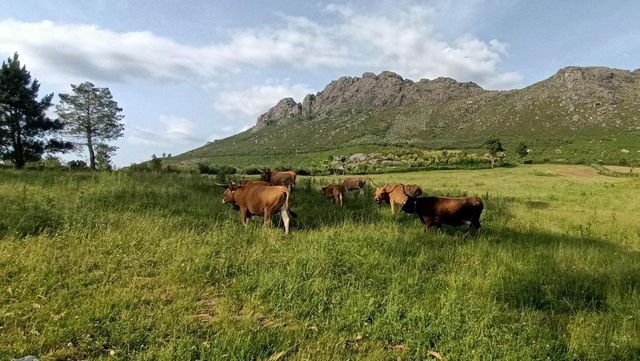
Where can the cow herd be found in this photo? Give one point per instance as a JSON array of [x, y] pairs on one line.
[[272, 194]]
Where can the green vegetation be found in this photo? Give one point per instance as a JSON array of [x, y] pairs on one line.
[[91, 114], [151, 266], [610, 136], [26, 131]]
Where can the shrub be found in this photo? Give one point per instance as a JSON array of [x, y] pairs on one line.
[[77, 164]]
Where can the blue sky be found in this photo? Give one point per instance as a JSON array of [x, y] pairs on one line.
[[188, 72]]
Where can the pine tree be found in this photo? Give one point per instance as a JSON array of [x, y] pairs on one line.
[[25, 128], [91, 114]]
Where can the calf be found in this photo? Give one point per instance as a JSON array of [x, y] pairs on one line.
[[354, 183], [396, 194], [280, 178], [259, 201], [335, 192], [454, 211]]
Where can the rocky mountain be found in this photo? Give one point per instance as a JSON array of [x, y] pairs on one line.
[[387, 89], [579, 114]]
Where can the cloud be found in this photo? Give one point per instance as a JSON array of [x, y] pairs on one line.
[[88, 51], [174, 131], [405, 42], [250, 102], [402, 39]]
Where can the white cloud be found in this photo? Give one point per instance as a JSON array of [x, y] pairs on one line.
[[250, 102], [174, 131], [88, 51], [403, 40]]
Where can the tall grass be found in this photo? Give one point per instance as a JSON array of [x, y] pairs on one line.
[[154, 267]]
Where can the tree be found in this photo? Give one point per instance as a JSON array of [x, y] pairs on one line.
[[25, 128], [104, 152], [156, 163], [522, 150], [91, 114], [495, 150]]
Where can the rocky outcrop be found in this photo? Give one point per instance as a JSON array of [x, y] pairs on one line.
[[286, 108], [571, 86], [386, 89]]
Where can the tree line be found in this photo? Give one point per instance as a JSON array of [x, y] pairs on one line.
[[87, 117]]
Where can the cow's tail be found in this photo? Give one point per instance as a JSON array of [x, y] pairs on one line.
[[287, 205]]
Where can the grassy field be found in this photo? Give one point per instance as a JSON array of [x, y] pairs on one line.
[[153, 267]]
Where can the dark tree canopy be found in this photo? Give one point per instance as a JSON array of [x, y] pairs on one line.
[[494, 145], [522, 150], [495, 149], [91, 114], [25, 128]]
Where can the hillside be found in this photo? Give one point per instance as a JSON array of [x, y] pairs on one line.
[[580, 114]]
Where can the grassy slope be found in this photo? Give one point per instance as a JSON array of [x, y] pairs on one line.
[[585, 133], [154, 267]]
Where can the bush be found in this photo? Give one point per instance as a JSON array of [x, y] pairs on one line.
[[251, 171], [77, 165], [203, 168]]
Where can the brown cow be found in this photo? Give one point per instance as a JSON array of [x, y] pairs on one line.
[[260, 201], [354, 183], [396, 194], [335, 192], [280, 178], [454, 211]]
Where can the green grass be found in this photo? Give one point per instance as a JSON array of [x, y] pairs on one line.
[[154, 267]]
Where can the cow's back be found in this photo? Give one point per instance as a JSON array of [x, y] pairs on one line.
[[257, 198], [455, 209]]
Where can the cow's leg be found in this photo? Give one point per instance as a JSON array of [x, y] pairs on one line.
[[426, 223], [393, 209], [340, 199], [475, 223], [244, 216], [267, 217], [285, 219]]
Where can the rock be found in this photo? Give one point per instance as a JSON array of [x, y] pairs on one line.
[[286, 108], [358, 157], [307, 105]]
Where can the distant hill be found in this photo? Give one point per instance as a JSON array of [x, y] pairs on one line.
[[580, 114]]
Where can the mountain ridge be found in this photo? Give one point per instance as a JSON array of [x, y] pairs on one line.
[[578, 114]]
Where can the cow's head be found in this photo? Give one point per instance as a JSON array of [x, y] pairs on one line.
[[409, 205], [229, 190], [381, 194], [265, 175]]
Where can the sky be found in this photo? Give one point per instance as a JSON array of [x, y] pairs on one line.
[[189, 72]]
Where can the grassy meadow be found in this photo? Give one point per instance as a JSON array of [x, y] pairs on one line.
[[150, 266]]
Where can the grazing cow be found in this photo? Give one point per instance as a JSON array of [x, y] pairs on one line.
[[396, 194], [454, 211], [335, 192], [280, 178], [354, 183], [259, 201]]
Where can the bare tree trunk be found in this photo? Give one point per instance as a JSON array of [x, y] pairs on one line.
[[18, 149], [92, 154]]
